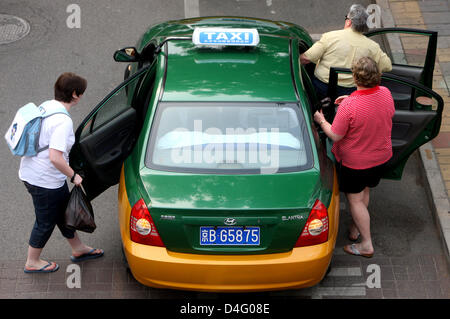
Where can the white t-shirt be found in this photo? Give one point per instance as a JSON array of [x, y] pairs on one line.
[[57, 133]]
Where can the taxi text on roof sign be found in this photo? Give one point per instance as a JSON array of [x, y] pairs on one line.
[[225, 36]]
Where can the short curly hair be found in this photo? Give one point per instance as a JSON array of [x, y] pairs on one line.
[[366, 72]]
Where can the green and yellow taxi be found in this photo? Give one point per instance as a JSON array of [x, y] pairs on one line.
[[225, 182]]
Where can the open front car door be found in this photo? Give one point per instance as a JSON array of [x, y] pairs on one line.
[[412, 52], [107, 135]]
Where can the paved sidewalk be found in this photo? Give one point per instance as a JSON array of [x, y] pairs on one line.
[[431, 15]]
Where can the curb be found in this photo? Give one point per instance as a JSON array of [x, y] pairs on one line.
[[437, 193], [435, 185]]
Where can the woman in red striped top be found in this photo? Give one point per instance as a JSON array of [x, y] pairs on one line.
[[361, 132]]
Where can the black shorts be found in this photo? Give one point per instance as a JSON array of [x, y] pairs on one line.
[[356, 180]]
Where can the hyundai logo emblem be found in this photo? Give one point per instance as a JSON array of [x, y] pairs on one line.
[[229, 221]]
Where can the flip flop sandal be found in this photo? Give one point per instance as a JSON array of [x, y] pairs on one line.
[[88, 255], [42, 270], [352, 250]]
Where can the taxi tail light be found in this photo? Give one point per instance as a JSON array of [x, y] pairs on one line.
[[316, 227], [142, 227]]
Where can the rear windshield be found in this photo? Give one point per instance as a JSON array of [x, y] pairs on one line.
[[253, 138]]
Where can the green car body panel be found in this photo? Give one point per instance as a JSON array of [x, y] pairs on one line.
[[279, 203]]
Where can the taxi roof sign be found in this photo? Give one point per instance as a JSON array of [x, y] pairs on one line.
[[225, 36]]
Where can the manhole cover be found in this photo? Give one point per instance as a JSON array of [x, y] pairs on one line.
[[12, 28]]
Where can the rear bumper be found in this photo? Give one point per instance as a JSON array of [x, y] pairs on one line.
[[299, 268]]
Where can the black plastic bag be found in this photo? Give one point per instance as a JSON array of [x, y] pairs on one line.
[[79, 214]]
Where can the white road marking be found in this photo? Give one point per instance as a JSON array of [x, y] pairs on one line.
[[319, 292], [191, 8], [355, 290], [342, 272]]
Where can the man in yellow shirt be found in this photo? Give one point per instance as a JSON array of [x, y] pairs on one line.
[[340, 48]]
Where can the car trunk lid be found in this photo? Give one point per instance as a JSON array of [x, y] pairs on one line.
[[269, 211]]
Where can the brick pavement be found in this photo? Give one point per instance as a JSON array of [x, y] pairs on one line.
[[424, 277]]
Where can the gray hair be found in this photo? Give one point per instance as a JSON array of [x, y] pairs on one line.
[[358, 16]]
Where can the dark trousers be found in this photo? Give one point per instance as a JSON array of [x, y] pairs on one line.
[[322, 89], [49, 208]]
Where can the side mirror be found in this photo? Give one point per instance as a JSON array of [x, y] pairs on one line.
[[128, 54]]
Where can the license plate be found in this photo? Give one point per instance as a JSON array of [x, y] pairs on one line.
[[229, 236]]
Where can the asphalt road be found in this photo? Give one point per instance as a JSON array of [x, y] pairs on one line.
[[401, 217]]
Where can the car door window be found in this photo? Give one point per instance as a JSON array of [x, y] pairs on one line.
[[114, 105], [404, 48], [412, 52], [118, 103]]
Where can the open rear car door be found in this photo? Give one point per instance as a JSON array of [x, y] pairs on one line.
[[417, 119], [107, 135]]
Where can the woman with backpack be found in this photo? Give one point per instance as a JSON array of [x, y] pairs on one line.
[[45, 174]]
